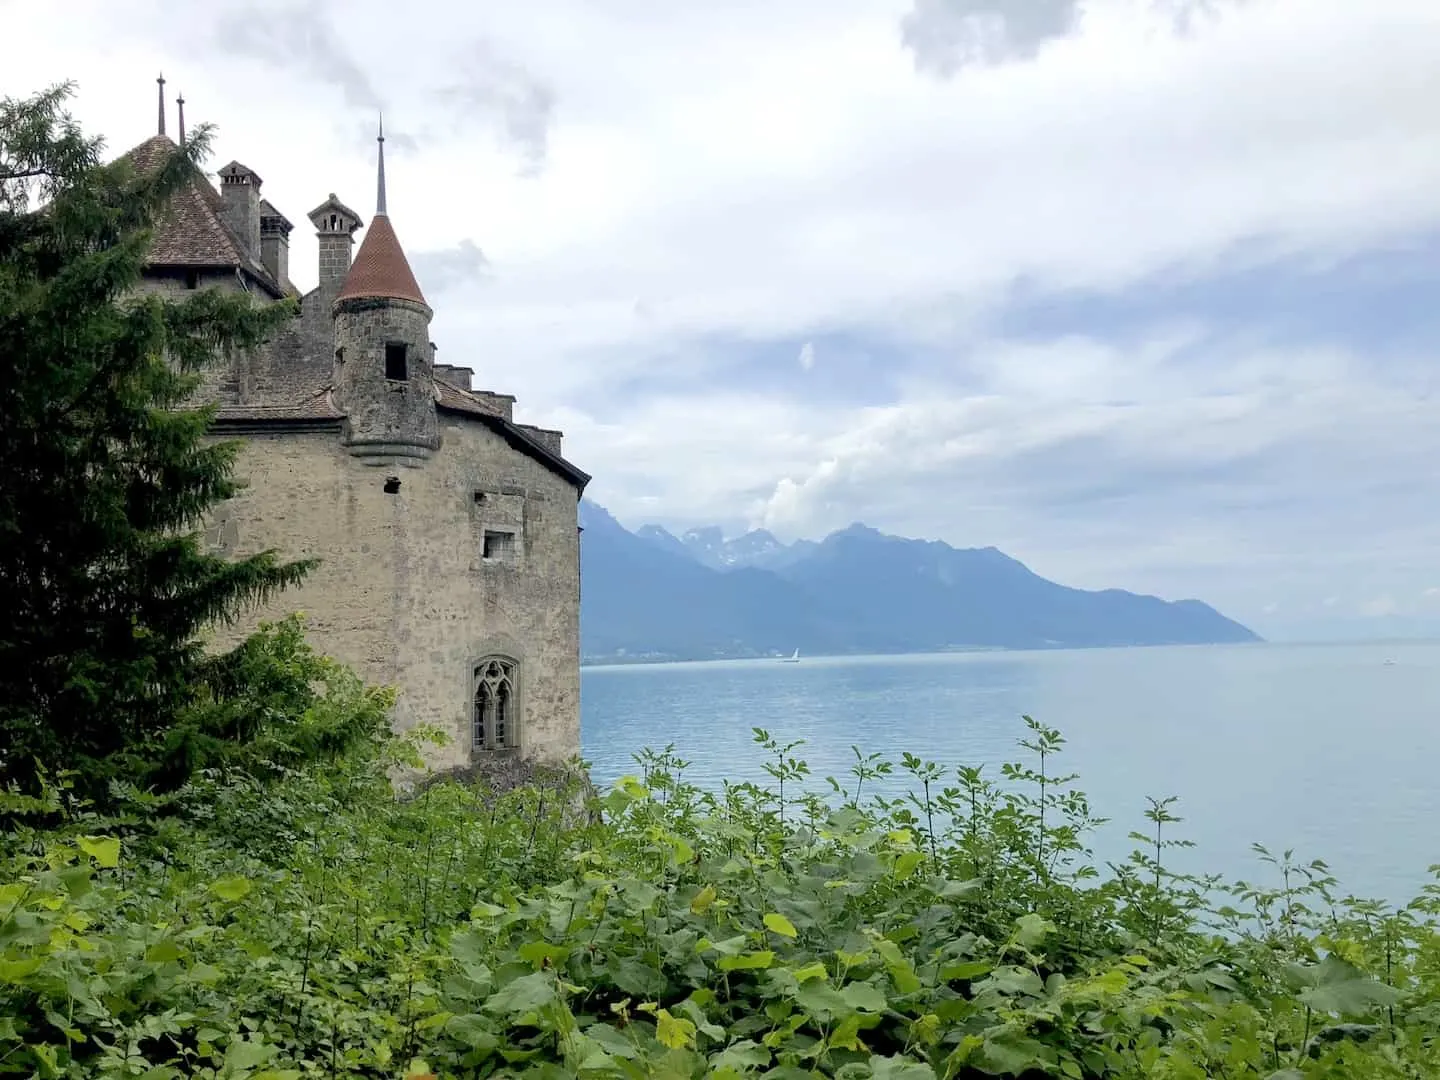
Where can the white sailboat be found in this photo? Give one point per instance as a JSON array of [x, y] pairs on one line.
[[795, 659]]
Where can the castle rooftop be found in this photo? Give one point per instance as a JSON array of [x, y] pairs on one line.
[[190, 231], [380, 270]]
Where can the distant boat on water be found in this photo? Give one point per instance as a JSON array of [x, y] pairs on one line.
[[795, 659]]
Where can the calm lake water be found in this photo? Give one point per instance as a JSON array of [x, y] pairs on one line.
[[1327, 749]]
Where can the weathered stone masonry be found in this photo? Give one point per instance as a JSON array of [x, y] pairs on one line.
[[447, 533]]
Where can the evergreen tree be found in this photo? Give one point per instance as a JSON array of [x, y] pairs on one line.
[[106, 473]]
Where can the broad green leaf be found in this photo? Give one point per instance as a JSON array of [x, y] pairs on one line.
[[823, 1001], [165, 951], [948, 889], [846, 1035], [674, 1032], [244, 1054], [76, 879], [1032, 929], [1340, 987], [613, 1041], [1012, 980], [732, 946], [907, 863], [541, 953], [811, 971], [741, 1056], [865, 997], [900, 969], [15, 971], [1010, 1051], [703, 899], [231, 888], [523, 995], [966, 970], [105, 850], [779, 924], [747, 961], [899, 1068]]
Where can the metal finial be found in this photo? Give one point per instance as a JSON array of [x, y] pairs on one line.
[[180, 102], [161, 125], [380, 170]]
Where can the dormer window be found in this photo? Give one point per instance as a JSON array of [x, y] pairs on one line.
[[397, 363]]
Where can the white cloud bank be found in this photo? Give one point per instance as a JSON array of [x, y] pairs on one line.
[[663, 191]]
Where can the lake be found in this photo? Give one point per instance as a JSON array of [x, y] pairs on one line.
[[1326, 749]]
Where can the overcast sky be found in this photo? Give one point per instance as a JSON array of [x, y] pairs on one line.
[[1144, 292]]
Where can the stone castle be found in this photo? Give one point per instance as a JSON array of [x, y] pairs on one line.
[[448, 533]]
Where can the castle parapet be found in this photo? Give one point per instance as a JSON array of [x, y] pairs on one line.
[[546, 437]]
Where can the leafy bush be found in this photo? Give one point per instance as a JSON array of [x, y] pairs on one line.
[[316, 925]]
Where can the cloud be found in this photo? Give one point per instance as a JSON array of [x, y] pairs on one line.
[[1136, 323], [298, 36], [494, 89], [945, 35], [807, 356], [441, 271]]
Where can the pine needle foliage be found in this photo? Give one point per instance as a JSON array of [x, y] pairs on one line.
[[106, 470]]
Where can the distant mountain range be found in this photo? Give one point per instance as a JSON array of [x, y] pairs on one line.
[[650, 595]]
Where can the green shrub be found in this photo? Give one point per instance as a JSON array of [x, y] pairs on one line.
[[315, 925]]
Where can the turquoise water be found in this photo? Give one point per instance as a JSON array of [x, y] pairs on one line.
[[1326, 749]]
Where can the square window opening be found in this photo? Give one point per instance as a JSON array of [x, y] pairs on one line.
[[497, 546]]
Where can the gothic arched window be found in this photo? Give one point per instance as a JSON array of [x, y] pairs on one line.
[[496, 725]]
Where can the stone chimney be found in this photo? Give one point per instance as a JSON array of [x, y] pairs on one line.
[[461, 377], [240, 194], [275, 244], [335, 226]]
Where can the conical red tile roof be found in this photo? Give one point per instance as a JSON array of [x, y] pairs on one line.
[[380, 270]]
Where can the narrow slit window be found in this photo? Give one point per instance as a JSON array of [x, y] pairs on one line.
[[397, 363]]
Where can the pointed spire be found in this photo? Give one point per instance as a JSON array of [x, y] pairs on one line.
[[180, 102], [380, 170], [161, 125]]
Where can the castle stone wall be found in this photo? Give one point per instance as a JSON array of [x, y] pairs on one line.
[[404, 593]]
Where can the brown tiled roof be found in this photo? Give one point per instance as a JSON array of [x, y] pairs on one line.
[[190, 231], [450, 396], [319, 405], [380, 269], [453, 398]]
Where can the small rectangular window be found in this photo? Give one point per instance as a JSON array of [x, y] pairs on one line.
[[498, 546], [192, 279], [397, 365]]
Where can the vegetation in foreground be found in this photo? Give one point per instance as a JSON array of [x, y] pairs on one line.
[[304, 921]]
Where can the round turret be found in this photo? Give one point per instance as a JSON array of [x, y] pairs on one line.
[[384, 362]]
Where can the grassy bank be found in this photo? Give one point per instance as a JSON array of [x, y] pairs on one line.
[[313, 924]]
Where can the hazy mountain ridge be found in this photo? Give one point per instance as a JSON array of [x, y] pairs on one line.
[[653, 595], [708, 546]]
